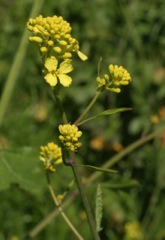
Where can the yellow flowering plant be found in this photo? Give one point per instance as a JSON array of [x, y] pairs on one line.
[[69, 137], [51, 156], [53, 34], [57, 47], [117, 77], [53, 73]]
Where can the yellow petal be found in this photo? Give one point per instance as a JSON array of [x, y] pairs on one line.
[[82, 56], [51, 79], [51, 64], [65, 80], [65, 66]]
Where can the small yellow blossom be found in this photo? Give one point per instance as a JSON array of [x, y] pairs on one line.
[[53, 73], [133, 231], [50, 155], [69, 136], [54, 34], [117, 77]]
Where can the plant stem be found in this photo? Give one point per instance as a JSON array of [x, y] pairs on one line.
[[48, 219], [87, 108], [39, 227], [76, 170], [17, 63], [61, 110], [116, 158], [84, 199], [61, 210]]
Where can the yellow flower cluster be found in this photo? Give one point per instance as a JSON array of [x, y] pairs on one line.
[[53, 34], [117, 77], [50, 155], [69, 136], [133, 231]]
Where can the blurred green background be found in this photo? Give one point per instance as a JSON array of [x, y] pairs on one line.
[[127, 33]]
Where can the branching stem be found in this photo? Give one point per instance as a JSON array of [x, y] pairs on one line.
[[87, 108], [76, 170], [60, 209]]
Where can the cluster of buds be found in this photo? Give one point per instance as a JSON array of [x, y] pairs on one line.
[[69, 136], [117, 77], [50, 155], [53, 34]]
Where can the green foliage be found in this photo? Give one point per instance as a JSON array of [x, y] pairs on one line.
[[104, 170], [104, 113], [129, 33], [21, 167]]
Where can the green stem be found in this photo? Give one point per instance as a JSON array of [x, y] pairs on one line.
[[61, 210], [112, 161], [77, 173], [58, 101], [87, 108], [17, 64], [84, 199], [39, 227], [48, 219]]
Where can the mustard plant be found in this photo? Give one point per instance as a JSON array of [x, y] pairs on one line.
[[57, 48]]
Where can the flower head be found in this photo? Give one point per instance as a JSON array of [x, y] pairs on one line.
[[69, 136], [117, 77], [50, 155], [53, 34], [53, 73]]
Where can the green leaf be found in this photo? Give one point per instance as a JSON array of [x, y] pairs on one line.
[[97, 168], [104, 113], [99, 209], [21, 167]]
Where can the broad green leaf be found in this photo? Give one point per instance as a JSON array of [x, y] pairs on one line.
[[21, 167], [104, 113], [99, 209], [97, 168]]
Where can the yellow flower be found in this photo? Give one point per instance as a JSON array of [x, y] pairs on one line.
[[54, 34], [50, 155], [69, 136], [53, 73], [117, 77]]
